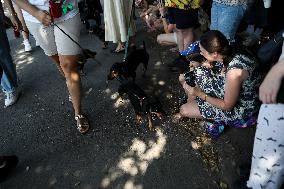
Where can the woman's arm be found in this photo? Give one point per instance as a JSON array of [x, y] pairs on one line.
[[234, 79], [14, 19], [168, 28], [269, 88], [41, 15]]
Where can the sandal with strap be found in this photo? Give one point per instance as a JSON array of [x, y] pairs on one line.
[[82, 124]]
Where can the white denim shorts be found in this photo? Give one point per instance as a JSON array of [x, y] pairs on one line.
[[53, 41]]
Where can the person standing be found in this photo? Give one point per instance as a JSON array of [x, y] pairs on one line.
[[226, 16], [118, 16], [185, 17], [45, 28], [25, 32], [267, 167], [9, 79]]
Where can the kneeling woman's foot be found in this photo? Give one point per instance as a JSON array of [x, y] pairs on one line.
[[82, 124]]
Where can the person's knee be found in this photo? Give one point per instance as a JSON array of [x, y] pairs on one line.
[[181, 79], [69, 66]]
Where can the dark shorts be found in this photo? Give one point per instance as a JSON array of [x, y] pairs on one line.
[[183, 19]]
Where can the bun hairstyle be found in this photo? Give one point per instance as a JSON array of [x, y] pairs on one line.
[[214, 41]]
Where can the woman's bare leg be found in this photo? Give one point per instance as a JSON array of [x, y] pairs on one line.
[[55, 59], [69, 66]]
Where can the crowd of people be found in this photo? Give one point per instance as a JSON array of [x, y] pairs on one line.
[[227, 85]]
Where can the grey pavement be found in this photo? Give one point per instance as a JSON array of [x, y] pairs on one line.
[[115, 153]]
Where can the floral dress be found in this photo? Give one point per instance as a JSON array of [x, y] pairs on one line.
[[212, 82]]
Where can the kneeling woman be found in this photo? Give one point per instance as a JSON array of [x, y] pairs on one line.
[[227, 90]]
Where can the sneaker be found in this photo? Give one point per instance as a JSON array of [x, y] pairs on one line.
[[11, 98], [37, 44], [28, 46], [8, 164]]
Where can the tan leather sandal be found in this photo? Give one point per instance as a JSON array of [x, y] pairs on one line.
[[82, 124]]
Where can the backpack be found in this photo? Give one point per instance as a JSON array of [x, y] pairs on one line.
[[270, 52]]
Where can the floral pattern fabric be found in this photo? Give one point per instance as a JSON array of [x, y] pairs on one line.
[[212, 82], [183, 4]]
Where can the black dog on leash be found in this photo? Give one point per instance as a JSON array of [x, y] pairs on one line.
[[142, 104], [128, 67], [86, 54]]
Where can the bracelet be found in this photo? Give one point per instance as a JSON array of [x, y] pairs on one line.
[[205, 97]]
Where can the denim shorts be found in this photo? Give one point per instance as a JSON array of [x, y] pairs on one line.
[[226, 18]]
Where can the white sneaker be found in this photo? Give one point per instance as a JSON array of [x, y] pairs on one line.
[[28, 46], [11, 98], [37, 44]]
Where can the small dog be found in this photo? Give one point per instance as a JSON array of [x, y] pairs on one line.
[[142, 104], [128, 67], [86, 54]]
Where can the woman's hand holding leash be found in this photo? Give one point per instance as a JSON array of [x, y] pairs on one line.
[[44, 17]]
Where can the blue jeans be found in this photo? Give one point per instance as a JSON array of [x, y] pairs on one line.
[[226, 18], [9, 76], [7, 86]]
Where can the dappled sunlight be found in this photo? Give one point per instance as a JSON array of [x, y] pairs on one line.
[[135, 161], [107, 91], [162, 83], [114, 96], [22, 59], [121, 103], [158, 63]]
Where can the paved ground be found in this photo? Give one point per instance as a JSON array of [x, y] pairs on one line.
[[40, 129]]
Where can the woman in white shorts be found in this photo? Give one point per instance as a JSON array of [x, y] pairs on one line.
[[62, 50]]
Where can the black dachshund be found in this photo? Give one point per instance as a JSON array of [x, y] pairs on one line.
[[128, 67], [86, 54], [142, 104]]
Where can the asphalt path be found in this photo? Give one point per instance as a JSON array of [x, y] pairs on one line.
[[40, 129]]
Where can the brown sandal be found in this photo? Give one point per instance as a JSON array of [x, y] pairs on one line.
[[82, 124]]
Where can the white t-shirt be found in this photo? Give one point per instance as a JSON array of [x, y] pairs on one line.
[[44, 5]]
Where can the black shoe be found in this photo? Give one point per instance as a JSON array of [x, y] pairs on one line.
[[9, 163]]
